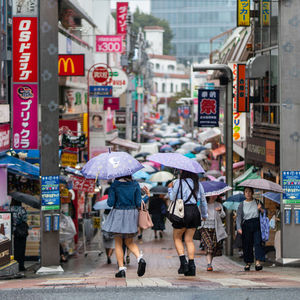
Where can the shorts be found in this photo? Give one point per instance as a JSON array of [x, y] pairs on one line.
[[192, 217]]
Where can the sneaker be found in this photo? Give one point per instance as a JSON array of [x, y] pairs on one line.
[[141, 267], [209, 268], [183, 269], [191, 271], [121, 274]]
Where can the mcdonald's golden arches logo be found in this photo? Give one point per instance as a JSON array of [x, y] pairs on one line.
[[71, 65]]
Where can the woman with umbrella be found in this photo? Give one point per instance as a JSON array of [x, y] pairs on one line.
[[248, 225]]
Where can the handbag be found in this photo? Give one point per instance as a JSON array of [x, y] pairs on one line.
[[197, 234], [264, 227], [21, 230], [145, 221], [175, 212]]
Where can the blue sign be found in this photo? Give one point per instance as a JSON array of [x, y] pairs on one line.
[[287, 215], [50, 192], [208, 108], [297, 216], [291, 187], [100, 91]]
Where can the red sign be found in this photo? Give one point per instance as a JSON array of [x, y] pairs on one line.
[[113, 103], [25, 49], [109, 43], [71, 65], [101, 74], [83, 185], [4, 137], [122, 8], [242, 105]]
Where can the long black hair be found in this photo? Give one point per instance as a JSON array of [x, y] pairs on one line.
[[127, 178], [186, 174]]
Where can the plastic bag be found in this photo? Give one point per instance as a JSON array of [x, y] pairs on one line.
[[272, 222], [67, 228]]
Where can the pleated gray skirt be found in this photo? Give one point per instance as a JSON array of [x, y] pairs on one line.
[[122, 222]]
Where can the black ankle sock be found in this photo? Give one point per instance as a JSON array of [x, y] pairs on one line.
[[191, 262], [182, 259]]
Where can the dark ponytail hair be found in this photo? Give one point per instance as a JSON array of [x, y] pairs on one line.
[[186, 174], [126, 178]]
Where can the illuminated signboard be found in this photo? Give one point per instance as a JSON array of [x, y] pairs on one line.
[[243, 12], [71, 65], [242, 103]]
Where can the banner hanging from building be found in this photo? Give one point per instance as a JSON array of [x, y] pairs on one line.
[[239, 127], [233, 67], [208, 108], [242, 95], [265, 12], [122, 9], [25, 116], [4, 137], [243, 12], [109, 43]]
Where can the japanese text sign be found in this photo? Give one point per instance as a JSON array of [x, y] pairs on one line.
[[208, 108], [242, 105], [122, 8], [291, 187], [113, 103], [184, 111], [25, 116], [71, 65], [233, 67], [100, 91], [109, 43], [243, 13], [83, 185], [50, 192], [25, 49], [4, 137], [239, 127], [265, 12]]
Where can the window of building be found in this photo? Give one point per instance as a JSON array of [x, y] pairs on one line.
[[171, 68], [163, 89], [156, 86], [184, 86], [157, 66], [171, 88]]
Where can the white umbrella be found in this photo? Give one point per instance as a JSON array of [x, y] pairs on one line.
[[161, 176], [182, 151], [148, 185], [200, 156], [184, 139], [190, 146], [147, 168]]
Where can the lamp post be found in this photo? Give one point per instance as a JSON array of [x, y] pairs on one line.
[[227, 72]]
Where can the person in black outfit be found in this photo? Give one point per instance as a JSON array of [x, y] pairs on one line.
[[157, 207]]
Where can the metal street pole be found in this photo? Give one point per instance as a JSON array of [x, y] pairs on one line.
[[228, 140]]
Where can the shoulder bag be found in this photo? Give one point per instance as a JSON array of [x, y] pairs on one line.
[[175, 212]]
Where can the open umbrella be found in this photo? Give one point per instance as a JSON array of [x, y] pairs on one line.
[[142, 154], [177, 161], [111, 165], [190, 146], [26, 199], [190, 155], [161, 176], [140, 175], [262, 184], [275, 197], [236, 198], [231, 205], [198, 149], [159, 190], [102, 204], [215, 173], [148, 185], [166, 148], [174, 143], [147, 168], [215, 188]]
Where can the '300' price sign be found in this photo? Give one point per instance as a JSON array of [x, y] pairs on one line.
[[109, 43]]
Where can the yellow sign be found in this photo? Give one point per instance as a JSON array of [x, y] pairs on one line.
[[65, 63], [243, 13], [265, 12], [69, 159], [96, 222]]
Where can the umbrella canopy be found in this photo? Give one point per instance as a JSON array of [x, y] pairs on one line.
[[26, 199], [236, 198], [161, 176], [147, 168], [231, 205], [174, 143], [222, 178], [215, 173], [165, 148], [215, 188], [142, 154], [262, 184], [148, 185], [159, 190], [177, 161], [111, 165], [152, 164], [190, 155], [181, 151], [275, 197], [140, 175], [102, 204], [184, 139], [190, 146], [199, 149], [211, 178], [200, 156]]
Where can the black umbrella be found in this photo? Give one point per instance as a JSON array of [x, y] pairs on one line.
[[159, 190], [142, 154], [26, 199]]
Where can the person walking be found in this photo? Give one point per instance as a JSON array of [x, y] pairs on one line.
[[20, 231], [248, 225], [156, 208], [213, 232], [125, 198], [107, 239], [187, 188]]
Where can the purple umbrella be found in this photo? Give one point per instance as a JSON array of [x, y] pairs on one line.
[[262, 184], [215, 188], [177, 161], [111, 165]]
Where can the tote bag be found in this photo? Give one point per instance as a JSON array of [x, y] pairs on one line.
[[145, 221], [264, 227], [175, 211]]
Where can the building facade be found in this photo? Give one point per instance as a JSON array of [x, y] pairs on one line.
[[194, 23]]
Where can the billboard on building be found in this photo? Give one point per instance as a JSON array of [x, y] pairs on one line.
[[242, 95], [71, 65], [243, 12]]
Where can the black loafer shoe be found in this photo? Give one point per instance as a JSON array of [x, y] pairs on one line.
[[141, 267], [183, 268], [121, 274], [191, 271], [247, 267], [258, 267]]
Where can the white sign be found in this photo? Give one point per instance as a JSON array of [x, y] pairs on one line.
[[28, 8], [6, 223], [239, 127], [233, 67], [119, 82], [4, 113]]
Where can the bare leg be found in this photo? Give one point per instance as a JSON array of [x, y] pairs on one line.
[[132, 247], [188, 238], [209, 258], [119, 251], [177, 236]]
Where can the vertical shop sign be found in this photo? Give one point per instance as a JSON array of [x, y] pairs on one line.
[[25, 116], [265, 12], [208, 108], [243, 12], [291, 187], [242, 105], [233, 67], [122, 9], [25, 7], [239, 127], [4, 137], [50, 192]]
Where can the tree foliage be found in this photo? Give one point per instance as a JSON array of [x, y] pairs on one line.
[[182, 94]]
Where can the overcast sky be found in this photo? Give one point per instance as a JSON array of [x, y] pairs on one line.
[[143, 5]]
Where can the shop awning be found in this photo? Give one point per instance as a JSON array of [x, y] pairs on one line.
[[249, 174], [125, 143], [18, 166], [219, 151]]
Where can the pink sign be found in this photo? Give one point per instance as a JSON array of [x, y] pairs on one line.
[[109, 43], [25, 116], [4, 137], [122, 8], [113, 103]]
